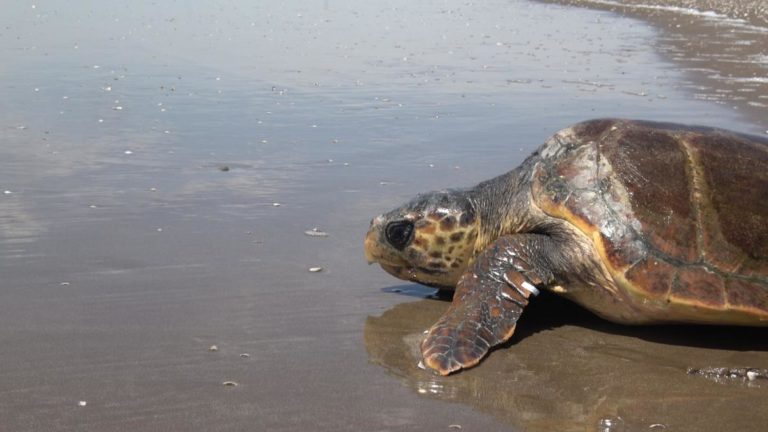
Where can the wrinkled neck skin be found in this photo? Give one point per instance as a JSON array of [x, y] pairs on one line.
[[502, 206]]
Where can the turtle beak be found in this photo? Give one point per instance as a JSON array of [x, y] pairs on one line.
[[368, 255], [372, 240]]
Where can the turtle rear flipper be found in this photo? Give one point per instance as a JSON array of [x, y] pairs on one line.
[[489, 300]]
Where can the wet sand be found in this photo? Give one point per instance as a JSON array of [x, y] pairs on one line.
[[754, 12], [721, 45], [127, 251], [567, 370]]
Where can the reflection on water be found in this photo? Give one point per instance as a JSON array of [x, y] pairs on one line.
[[567, 370]]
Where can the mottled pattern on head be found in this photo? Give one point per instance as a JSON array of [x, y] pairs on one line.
[[429, 240]]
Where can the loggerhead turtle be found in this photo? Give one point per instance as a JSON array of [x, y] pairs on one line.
[[639, 222]]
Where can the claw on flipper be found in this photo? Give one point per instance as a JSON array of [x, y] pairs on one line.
[[446, 350], [483, 314]]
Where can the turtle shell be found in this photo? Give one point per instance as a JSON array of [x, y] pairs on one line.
[[678, 215]]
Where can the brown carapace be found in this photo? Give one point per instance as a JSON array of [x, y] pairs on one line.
[[639, 222]]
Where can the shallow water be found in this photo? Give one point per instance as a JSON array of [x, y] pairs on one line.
[[721, 48], [128, 248]]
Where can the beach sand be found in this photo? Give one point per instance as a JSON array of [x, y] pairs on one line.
[[754, 12], [722, 46], [161, 164]]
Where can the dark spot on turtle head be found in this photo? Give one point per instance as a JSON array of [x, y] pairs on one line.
[[436, 254], [448, 223], [436, 264], [440, 240], [466, 219], [455, 265], [456, 237], [419, 243], [412, 255], [451, 249]]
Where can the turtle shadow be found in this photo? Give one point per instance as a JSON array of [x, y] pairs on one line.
[[550, 311], [732, 338], [419, 291]]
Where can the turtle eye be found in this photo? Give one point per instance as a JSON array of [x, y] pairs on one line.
[[399, 233]]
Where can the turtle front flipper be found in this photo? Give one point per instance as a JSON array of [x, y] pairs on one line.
[[489, 299]]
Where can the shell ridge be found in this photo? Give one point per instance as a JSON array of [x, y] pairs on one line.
[[698, 193]]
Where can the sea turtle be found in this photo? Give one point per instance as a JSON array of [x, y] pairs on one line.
[[639, 222]]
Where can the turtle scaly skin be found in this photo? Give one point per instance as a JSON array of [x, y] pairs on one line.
[[639, 222]]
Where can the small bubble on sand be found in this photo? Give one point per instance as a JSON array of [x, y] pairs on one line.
[[213, 348], [315, 269], [82, 403], [229, 384]]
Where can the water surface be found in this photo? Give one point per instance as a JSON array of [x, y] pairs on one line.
[[160, 163]]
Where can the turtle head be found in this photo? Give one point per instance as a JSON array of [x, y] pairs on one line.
[[429, 240]]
